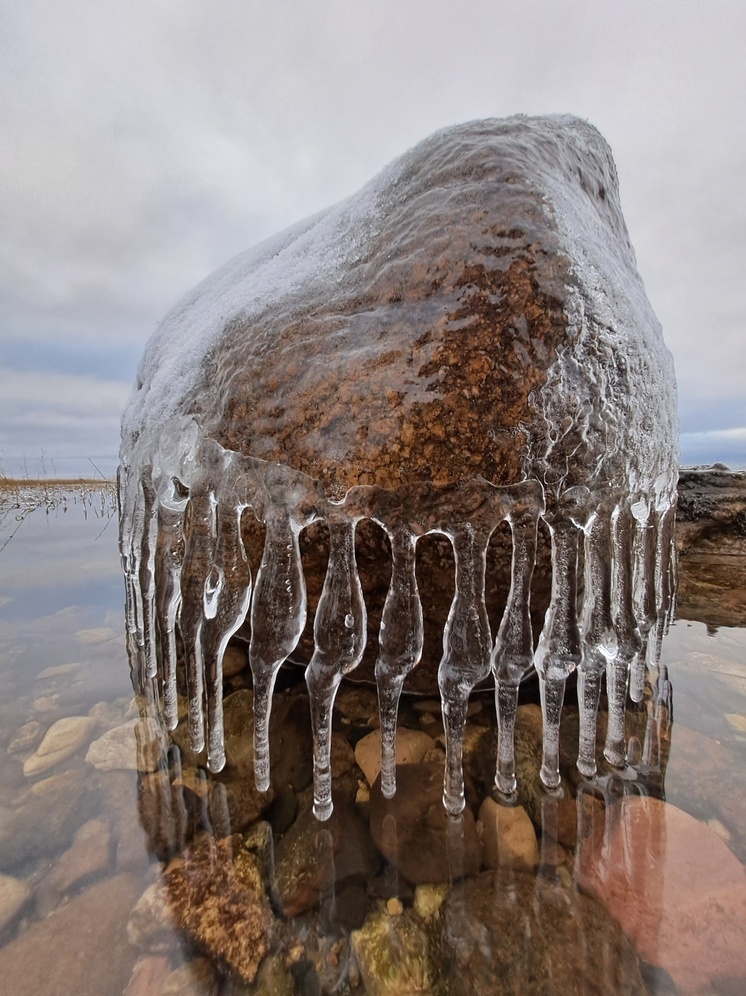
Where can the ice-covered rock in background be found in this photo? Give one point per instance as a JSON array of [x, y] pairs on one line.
[[465, 343]]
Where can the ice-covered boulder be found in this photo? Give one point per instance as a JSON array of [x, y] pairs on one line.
[[464, 343]]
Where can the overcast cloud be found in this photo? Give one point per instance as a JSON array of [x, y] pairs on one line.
[[146, 143]]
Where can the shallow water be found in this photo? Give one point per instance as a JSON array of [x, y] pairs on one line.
[[79, 845]]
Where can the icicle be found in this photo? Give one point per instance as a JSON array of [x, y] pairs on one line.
[[513, 653], [198, 559], [558, 652], [400, 646], [339, 636], [147, 574], [644, 592], [628, 638], [169, 557], [226, 606], [278, 615], [131, 548], [599, 639], [467, 646]]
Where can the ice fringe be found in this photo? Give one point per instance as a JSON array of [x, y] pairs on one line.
[[182, 498]]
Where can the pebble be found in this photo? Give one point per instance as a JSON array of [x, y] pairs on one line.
[[61, 741], [88, 856], [137, 745], [235, 660], [46, 817], [26, 737], [14, 894], [394, 906], [428, 899], [411, 746], [508, 836]]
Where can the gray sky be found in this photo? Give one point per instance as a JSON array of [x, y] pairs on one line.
[[145, 143]]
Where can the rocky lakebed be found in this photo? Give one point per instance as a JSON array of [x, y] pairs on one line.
[[125, 867]]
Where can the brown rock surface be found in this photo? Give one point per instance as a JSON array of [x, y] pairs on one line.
[[216, 895], [82, 948], [711, 510], [413, 830], [516, 934], [418, 351], [314, 859], [675, 887]]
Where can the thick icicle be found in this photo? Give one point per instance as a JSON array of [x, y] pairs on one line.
[[199, 556], [147, 574], [597, 628], [558, 652], [169, 556], [278, 615], [644, 591], [628, 637], [226, 606], [400, 646], [513, 653], [467, 646], [339, 637]]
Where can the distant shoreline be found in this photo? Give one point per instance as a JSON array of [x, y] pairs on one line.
[[13, 483]]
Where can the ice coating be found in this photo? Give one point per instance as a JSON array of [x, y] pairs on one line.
[[463, 344]]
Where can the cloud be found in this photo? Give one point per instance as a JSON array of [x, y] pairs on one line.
[[146, 144], [58, 419]]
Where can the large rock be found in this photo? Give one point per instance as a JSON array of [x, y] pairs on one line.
[[676, 889], [474, 313], [514, 933]]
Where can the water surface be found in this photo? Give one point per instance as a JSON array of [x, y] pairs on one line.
[[80, 844]]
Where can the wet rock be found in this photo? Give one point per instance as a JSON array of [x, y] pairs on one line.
[[46, 817], [274, 977], [428, 900], [148, 976], [508, 836], [244, 803], [88, 856], [314, 859], [195, 978], [137, 745], [290, 738], [356, 703], [85, 939], [283, 811], [26, 737], [150, 926], [675, 887], [235, 660], [14, 894], [342, 756], [61, 741], [217, 897], [711, 510], [413, 830], [429, 327], [513, 933], [411, 747], [396, 955]]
